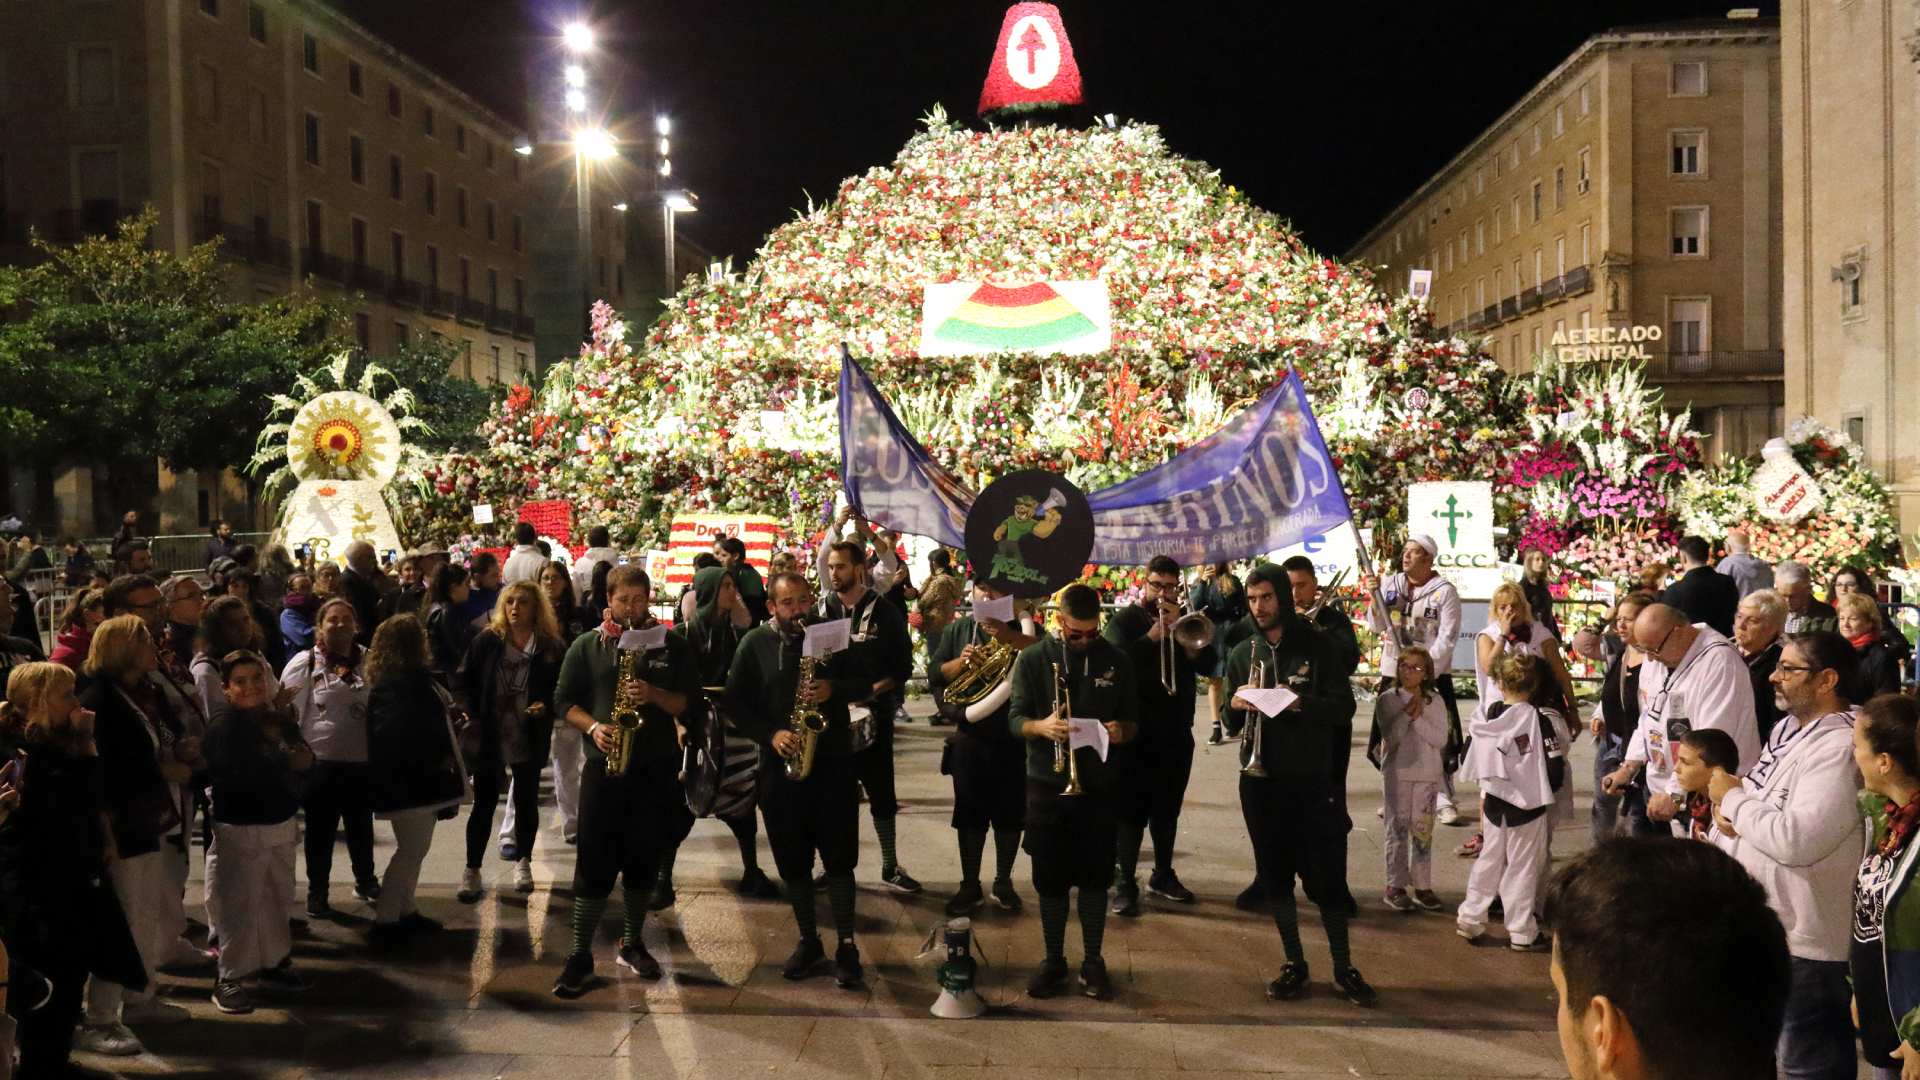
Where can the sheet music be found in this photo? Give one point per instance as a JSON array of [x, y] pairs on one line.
[[1085, 732], [1001, 609], [653, 637], [827, 637], [1271, 700]]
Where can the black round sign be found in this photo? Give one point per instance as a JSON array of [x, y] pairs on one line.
[[1030, 533]]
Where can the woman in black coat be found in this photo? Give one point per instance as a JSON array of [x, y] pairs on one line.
[[414, 772], [59, 916], [507, 683], [448, 635], [1879, 671]]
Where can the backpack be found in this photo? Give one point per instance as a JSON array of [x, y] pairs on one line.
[[1556, 753]]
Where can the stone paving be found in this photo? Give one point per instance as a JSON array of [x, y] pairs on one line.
[[475, 1004]]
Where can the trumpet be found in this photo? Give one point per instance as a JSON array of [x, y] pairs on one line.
[[1190, 630], [1257, 675], [1063, 759], [626, 719]]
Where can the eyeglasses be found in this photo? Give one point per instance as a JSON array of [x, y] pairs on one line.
[[1078, 635], [1791, 667], [1662, 647], [1161, 586]]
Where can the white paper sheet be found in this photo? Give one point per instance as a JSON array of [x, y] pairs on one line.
[[1271, 700], [1001, 609], [1085, 732], [827, 637], [653, 637]]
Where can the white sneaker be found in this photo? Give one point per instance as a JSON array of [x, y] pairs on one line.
[[153, 1012], [470, 887], [523, 875], [114, 1040], [1448, 816]]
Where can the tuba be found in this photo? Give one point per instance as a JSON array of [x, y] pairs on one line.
[[626, 719], [985, 670], [807, 724]]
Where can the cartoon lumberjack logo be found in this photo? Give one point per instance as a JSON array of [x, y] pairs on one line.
[[1008, 562]]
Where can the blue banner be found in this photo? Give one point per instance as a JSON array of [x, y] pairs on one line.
[[1262, 482]]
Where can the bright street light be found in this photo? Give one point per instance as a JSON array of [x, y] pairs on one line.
[[524, 150], [620, 206], [662, 125], [666, 168], [577, 100], [680, 202], [595, 144], [579, 37], [576, 76]]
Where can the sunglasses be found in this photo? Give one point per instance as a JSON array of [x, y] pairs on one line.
[[1078, 635]]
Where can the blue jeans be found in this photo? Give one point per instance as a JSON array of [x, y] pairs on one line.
[[1816, 1041], [1610, 751]]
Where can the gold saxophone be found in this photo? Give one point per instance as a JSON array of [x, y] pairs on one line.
[[626, 716], [807, 723]]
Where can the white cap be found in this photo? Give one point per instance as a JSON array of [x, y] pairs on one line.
[[1425, 541]]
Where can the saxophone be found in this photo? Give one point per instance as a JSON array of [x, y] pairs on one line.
[[626, 716], [807, 724]]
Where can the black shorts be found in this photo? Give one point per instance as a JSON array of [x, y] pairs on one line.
[[1070, 839], [627, 823], [820, 813], [989, 781], [1153, 778], [1298, 831]]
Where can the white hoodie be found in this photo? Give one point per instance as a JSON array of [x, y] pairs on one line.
[[1507, 757], [1800, 836]]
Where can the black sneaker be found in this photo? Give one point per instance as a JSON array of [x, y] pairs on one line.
[[1004, 895], [968, 898], [1168, 885], [509, 851], [1252, 898], [416, 923], [1292, 982], [368, 891], [662, 897], [900, 881], [283, 977], [1539, 944], [1218, 738], [847, 972], [573, 978], [1125, 901], [318, 907], [806, 956], [1048, 978], [757, 884], [1094, 981], [634, 957], [232, 998], [1356, 988]]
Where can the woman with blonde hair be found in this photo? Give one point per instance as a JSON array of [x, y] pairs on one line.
[[1512, 628], [1410, 731], [1879, 671], [507, 681], [60, 916]]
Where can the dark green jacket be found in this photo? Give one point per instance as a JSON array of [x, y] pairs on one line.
[[886, 652], [587, 678], [761, 686], [953, 641], [1162, 715], [1333, 623], [1100, 684], [1295, 745]]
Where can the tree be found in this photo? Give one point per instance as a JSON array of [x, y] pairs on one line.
[[112, 346], [453, 407]]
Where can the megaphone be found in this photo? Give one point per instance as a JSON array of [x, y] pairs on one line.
[[958, 1000]]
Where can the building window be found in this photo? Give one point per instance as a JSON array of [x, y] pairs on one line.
[[313, 139], [1449, 256], [519, 296], [402, 335], [620, 279], [93, 76], [520, 363], [1689, 78], [316, 233], [1586, 97], [491, 227], [210, 7], [1536, 139], [1690, 231], [466, 278], [357, 242], [206, 98], [493, 288], [433, 267], [399, 256], [426, 121], [496, 365], [1516, 215], [1689, 153], [396, 177], [1480, 237], [1687, 335], [1539, 268], [257, 23], [432, 192], [1479, 182], [460, 207], [1856, 425], [1513, 155], [1850, 274], [1586, 244], [486, 153], [516, 232], [393, 101], [1559, 120], [1498, 216], [356, 79], [99, 179], [460, 138], [1536, 200], [310, 53], [466, 358], [356, 159], [257, 114], [1586, 171], [1560, 256], [1560, 187]]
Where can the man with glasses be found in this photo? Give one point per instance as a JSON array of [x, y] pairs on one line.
[[184, 600], [1070, 837], [1758, 627], [1155, 766], [1693, 678], [1794, 826]]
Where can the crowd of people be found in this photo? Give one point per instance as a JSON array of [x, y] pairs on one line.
[[1749, 737]]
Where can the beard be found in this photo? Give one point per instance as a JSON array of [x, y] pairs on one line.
[[1780, 702], [793, 626], [1268, 623]]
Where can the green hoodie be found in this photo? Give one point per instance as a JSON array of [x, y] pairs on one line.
[[715, 642], [587, 678], [1100, 685], [762, 683]]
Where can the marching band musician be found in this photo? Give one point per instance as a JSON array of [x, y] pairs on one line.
[[1070, 836], [625, 821], [1292, 811], [984, 758], [1155, 767], [820, 813], [883, 647]]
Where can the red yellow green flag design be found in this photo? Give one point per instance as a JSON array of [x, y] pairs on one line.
[[992, 318]]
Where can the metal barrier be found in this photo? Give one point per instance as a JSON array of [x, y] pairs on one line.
[[174, 554]]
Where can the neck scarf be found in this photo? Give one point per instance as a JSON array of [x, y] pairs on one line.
[[1865, 639], [1900, 823]]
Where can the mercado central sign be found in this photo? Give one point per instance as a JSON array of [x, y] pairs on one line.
[[1604, 343]]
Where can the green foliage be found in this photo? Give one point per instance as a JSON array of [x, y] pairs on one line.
[[110, 345], [452, 406]]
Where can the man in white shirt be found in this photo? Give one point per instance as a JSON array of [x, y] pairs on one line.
[[1424, 609], [1693, 678], [526, 562], [1794, 827], [599, 550]]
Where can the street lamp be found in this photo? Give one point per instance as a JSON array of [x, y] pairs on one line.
[[595, 144], [578, 36], [671, 203]]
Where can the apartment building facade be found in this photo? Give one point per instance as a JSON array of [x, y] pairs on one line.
[[326, 161], [1637, 186]]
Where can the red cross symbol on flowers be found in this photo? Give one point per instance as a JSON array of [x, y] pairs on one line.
[[1032, 42]]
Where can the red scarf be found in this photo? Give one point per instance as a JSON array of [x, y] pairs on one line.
[[1900, 821], [1864, 640]]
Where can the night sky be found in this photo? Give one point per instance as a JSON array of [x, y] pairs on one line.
[[1328, 114]]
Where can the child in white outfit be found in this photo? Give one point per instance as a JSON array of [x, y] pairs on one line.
[[1412, 722], [1514, 746]]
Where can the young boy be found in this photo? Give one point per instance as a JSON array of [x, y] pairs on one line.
[[1509, 756], [1702, 753]]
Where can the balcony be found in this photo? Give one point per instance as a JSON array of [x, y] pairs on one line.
[[319, 264], [523, 327], [404, 293], [1741, 365], [472, 312], [367, 279], [1575, 282], [248, 242], [439, 301]]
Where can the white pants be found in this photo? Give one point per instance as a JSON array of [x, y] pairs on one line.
[[412, 836], [141, 884], [1409, 826], [569, 757], [255, 891], [1510, 864]]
